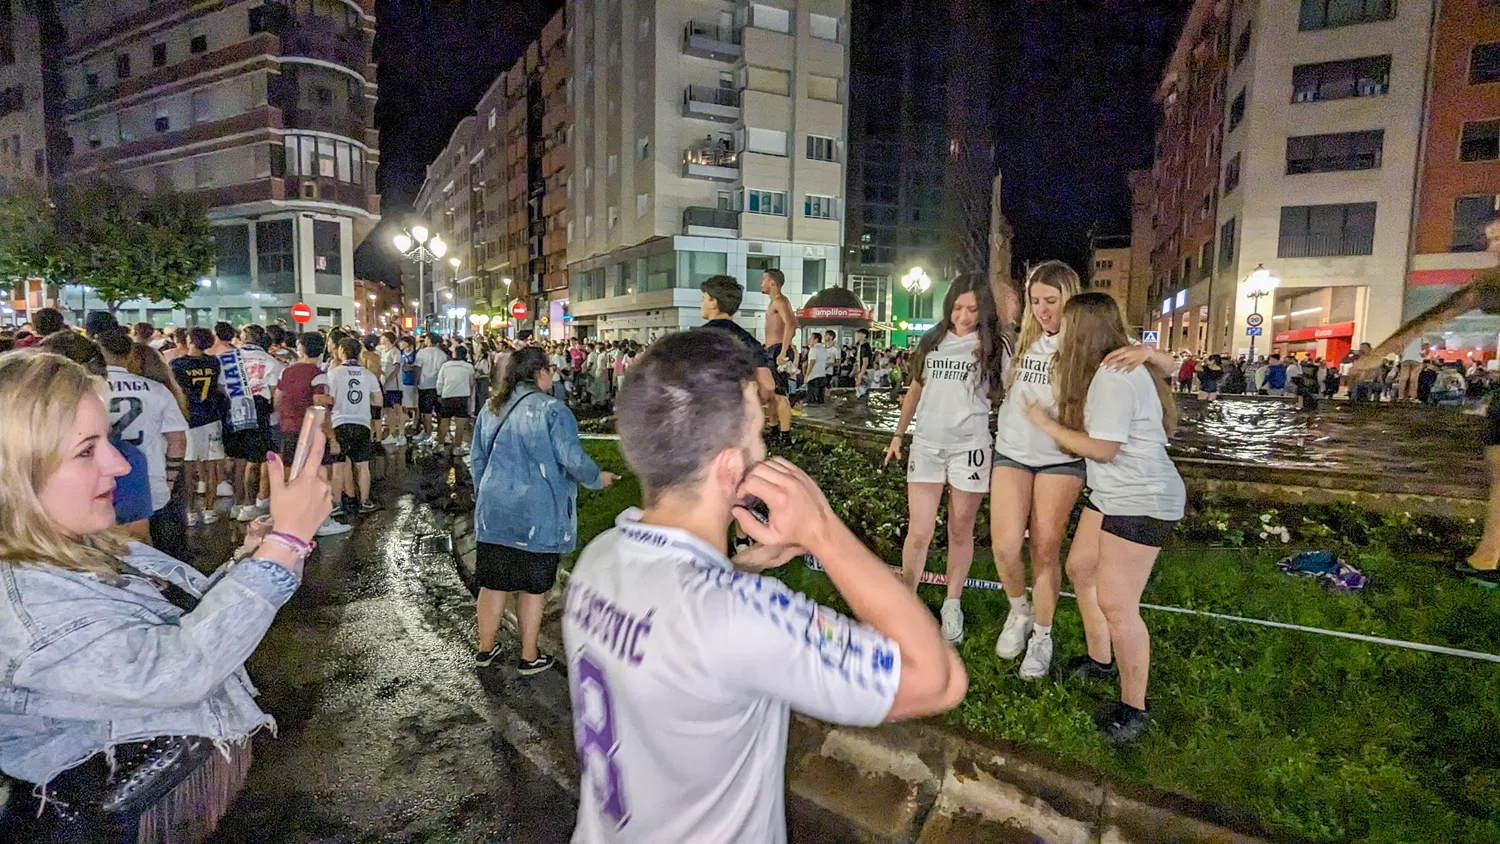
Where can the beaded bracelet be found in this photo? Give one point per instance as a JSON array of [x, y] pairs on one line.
[[291, 543]]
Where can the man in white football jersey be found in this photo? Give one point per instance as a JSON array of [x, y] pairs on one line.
[[248, 449], [683, 664], [145, 414], [353, 391]]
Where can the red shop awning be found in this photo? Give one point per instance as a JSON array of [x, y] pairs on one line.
[[1316, 332]]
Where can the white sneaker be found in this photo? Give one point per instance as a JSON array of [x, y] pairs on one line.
[[332, 528], [202, 487], [1038, 657], [225, 490], [953, 623], [400, 441], [192, 518], [210, 516], [390, 441], [1013, 637], [243, 513]]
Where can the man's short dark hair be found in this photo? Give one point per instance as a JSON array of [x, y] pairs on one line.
[[224, 331], [255, 334], [143, 332], [349, 348], [726, 291], [864, 332], [276, 335], [682, 403], [312, 343], [98, 322], [47, 321], [777, 276]]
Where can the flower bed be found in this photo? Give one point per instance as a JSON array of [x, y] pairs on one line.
[[1316, 737]]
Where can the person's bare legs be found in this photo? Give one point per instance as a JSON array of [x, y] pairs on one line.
[[1487, 555], [784, 414], [1124, 568], [1083, 573], [963, 507], [1010, 508], [1052, 497], [922, 501], [362, 474], [529, 619], [490, 609]]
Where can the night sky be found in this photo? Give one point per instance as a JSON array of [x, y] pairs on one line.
[[1076, 117]]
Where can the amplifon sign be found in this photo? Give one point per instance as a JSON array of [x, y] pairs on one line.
[[834, 313]]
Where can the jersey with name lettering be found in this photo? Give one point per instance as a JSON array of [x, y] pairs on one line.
[[954, 409], [1015, 436], [142, 412], [683, 672], [199, 376], [350, 385]]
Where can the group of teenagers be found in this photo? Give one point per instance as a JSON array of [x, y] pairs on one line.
[[1079, 403]]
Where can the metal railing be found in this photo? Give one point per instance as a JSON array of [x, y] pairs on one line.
[[713, 32], [711, 155], [710, 218], [1326, 245], [712, 95]]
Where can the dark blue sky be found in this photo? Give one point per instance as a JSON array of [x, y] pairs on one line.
[[1075, 118]]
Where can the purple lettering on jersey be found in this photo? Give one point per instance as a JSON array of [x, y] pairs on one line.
[[614, 627], [594, 736]]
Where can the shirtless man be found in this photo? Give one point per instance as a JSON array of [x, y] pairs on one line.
[[781, 332]]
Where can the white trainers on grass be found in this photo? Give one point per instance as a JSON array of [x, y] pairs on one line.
[[1013, 636], [953, 622], [1038, 656]]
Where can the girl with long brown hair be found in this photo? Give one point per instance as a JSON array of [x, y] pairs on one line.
[[959, 364], [1118, 420], [1033, 484]]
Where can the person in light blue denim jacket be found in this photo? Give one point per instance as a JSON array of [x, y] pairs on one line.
[[527, 464], [97, 652]]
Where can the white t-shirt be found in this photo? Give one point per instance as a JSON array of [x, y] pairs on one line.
[[430, 359], [683, 672], [455, 380], [390, 368], [142, 412], [954, 410], [818, 358], [1123, 407], [260, 371], [1015, 436], [350, 385]]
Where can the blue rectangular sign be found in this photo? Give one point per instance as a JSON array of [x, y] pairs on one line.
[[1253, 331], [1150, 338]]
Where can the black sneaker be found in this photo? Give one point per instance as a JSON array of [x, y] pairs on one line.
[[369, 507], [338, 512], [484, 658], [526, 668], [1089, 670], [1486, 575], [1122, 723]]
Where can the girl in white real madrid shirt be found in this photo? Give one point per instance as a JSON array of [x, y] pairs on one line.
[[1118, 419], [1034, 484], [958, 364]]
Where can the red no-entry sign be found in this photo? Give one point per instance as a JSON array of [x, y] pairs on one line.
[[518, 309], [301, 313]]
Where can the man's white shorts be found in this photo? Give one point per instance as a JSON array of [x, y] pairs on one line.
[[205, 442], [964, 469]]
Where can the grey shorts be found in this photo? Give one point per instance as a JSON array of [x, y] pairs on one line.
[[1072, 468]]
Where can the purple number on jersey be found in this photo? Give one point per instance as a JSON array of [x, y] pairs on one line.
[[594, 734]]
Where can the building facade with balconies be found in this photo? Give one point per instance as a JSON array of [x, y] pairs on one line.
[[708, 138], [263, 108]]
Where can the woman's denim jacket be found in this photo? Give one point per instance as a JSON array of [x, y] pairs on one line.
[[86, 663], [527, 473]]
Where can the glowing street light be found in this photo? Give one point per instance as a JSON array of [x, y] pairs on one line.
[[416, 245], [1260, 284]]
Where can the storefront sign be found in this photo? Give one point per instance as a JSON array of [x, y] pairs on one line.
[[834, 313], [1316, 332]]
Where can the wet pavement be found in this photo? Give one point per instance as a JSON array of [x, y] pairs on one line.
[[1396, 442]]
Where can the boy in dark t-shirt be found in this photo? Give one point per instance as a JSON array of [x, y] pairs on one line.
[[198, 375]]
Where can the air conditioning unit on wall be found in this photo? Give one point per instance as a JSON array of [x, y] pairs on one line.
[[309, 190]]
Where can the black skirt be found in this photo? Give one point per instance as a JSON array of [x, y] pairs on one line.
[[506, 569]]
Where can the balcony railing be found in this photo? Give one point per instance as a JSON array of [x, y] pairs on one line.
[[710, 218], [711, 102], [708, 41], [711, 160], [314, 37], [1326, 245]]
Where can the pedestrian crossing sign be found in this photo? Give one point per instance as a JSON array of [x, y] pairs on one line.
[[1150, 338]]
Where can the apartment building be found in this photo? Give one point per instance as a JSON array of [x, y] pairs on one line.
[[922, 109], [1458, 188], [498, 196], [263, 108], [708, 138], [23, 128], [1110, 269]]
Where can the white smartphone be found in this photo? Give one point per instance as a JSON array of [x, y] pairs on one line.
[[312, 421]]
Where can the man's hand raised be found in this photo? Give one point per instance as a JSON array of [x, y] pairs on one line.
[[800, 515]]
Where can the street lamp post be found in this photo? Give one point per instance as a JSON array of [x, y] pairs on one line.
[[1259, 285], [415, 244], [916, 281]]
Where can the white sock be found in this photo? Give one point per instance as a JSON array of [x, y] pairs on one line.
[[263, 502], [1020, 606], [950, 602], [1039, 630]]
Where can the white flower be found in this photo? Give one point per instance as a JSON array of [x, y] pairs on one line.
[[1263, 534], [1265, 517]]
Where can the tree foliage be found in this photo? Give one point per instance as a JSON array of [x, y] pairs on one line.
[[121, 243]]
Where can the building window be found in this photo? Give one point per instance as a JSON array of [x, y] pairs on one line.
[[122, 66], [274, 256], [768, 141], [823, 27], [814, 274], [818, 207], [1480, 141], [820, 148], [643, 27], [1369, 76], [91, 81], [1226, 244], [771, 202], [1237, 110], [158, 55], [12, 99], [1327, 231], [642, 149], [1334, 153], [765, 17], [642, 202], [199, 44], [1232, 174], [232, 258], [1471, 214], [328, 258], [1242, 47], [701, 266], [614, 164], [163, 123], [614, 216], [1484, 64], [825, 88], [1327, 14], [1206, 259], [204, 173]]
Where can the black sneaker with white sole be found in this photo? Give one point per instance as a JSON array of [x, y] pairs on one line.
[[1087, 669], [369, 507], [526, 667], [484, 658], [1122, 723]]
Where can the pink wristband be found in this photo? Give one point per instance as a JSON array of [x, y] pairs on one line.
[[292, 542]]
